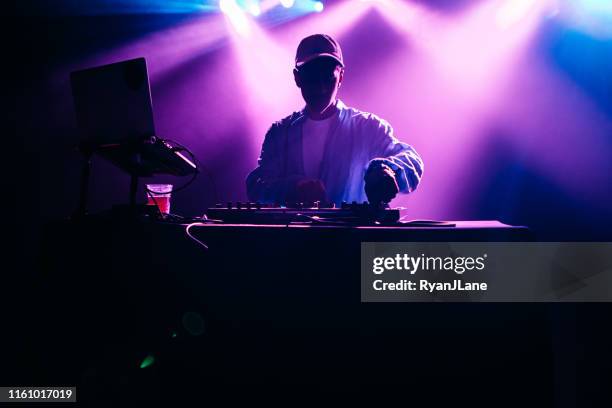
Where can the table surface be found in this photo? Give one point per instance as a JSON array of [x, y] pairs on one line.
[[473, 224]]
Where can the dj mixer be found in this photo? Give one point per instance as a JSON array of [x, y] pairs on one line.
[[257, 213]]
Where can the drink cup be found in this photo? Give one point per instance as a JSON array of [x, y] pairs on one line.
[[159, 194]]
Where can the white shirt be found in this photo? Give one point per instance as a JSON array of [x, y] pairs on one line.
[[314, 137]]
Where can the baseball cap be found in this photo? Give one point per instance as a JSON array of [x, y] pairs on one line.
[[316, 46]]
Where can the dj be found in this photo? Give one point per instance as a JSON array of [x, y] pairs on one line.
[[329, 152]]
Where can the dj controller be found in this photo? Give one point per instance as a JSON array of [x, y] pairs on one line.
[[257, 213]]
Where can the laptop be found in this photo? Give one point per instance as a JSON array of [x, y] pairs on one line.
[[113, 102], [115, 119]]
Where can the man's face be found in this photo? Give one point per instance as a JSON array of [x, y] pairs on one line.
[[319, 81]]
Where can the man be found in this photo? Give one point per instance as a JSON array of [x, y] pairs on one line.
[[329, 152]]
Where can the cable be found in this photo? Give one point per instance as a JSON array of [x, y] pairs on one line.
[[159, 213], [152, 194], [199, 166], [194, 238]]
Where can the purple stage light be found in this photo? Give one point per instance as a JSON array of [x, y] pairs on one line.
[[236, 16], [226, 5], [514, 11], [254, 9], [164, 50], [265, 69], [336, 20], [558, 130]]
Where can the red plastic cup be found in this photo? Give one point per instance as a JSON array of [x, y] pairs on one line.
[[159, 194]]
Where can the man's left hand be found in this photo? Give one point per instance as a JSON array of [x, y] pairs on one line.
[[380, 184]]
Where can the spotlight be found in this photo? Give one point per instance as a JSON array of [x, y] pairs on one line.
[[317, 6], [287, 3], [235, 15], [227, 6], [513, 11], [254, 9]]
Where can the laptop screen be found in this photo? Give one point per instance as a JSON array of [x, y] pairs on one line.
[[113, 102]]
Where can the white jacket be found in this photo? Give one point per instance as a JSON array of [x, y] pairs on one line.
[[354, 141]]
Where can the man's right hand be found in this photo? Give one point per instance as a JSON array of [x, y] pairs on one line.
[[380, 184]]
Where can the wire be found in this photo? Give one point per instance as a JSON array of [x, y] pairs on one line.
[[199, 223], [199, 166], [159, 212], [179, 147]]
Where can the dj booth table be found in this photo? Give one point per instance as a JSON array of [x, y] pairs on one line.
[[460, 231], [277, 304]]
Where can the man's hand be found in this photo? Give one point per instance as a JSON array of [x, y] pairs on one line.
[[309, 191], [380, 184]]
